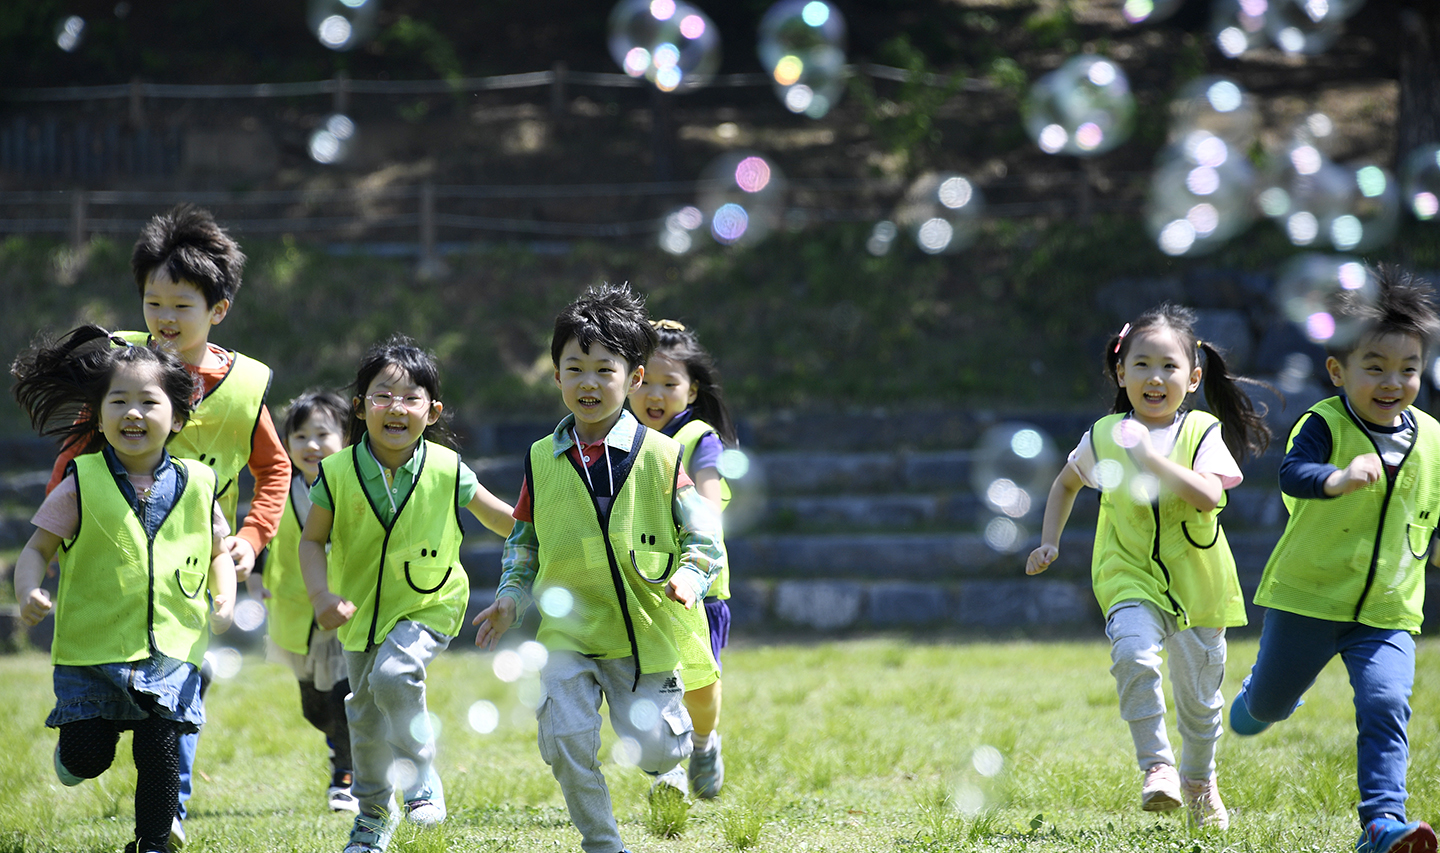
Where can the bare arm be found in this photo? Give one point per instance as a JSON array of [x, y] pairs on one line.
[[331, 611], [222, 591], [494, 513], [35, 603], [1057, 511], [708, 484]]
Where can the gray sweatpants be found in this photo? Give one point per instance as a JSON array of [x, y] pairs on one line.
[[651, 721], [386, 709], [1138, 631]]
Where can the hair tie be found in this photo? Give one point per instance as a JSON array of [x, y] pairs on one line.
[[668, 325], [1120, 339], [116, 339]]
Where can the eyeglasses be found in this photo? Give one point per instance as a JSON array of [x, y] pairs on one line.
[[410, 404]]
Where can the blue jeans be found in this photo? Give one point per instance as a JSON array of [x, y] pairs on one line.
[[1381, 664]]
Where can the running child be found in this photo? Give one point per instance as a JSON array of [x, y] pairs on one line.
[[614, 543], [1162, 569], [141, 540], [1347, 577], [389, 507], [188, 271], [314, 428], [681, 397]]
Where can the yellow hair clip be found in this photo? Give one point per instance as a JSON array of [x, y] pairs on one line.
[[668, 325]]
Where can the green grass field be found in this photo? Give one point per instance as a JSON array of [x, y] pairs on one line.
[[875, 744]]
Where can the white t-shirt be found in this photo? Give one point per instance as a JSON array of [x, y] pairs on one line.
[[1213, 458]]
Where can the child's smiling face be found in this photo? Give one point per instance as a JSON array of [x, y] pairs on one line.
[[312, 440], [1156, 374], [176, 315], [137, 416], [594, 386], [666, 391], [396, 410], [1381, 376]]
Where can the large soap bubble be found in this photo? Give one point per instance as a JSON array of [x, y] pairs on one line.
[[1304, 192], [678, 227], [1012, 468], [1215, 105], [742, 196], [333, 140], [1306, 26], [1311, 289], [69, 33], [342, 24], [1238, 26], [1421, 181], [1084, 107], [1373, 210], [671, 43], [942, 212], [1200, 195], [802, 46]]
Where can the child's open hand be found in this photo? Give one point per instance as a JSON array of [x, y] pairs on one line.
[[222, 613], [331, 611], [682, 590], [36, 606], [494, 621], [1361, 472], [1040, 559]]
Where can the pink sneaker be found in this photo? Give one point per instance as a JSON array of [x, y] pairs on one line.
[[1161, 791], [1202, 798]]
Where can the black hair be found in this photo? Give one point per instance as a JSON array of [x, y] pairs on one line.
[[610, 315], [403, 353], [191, 247], [1241, 425], [680, 344], [61, 383], [304, 407], [1403, 305]]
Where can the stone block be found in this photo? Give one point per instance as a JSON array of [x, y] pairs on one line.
[[749, 603], [905, 605], [825, 605], [1007, 605]]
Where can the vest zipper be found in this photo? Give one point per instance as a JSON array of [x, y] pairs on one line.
[[1155, 555], [1384, 507]]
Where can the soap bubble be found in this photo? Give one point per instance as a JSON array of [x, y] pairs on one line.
[[555, 602], [742, 194], [626, 752], [987, 761], [1304, 192], [1083, 108], [69, 33], [1421, 179], [333, 140], [483, 717], [1200, 195], [733, 463], [403, 774], [425, 727], [1012, 468], [225, 662], [671, 43], [1003, 534], [882, 238], [942, 212], [249, 614], [342, 24], [676, 234], [533, 656], [1310, 289], [644, 715], [1305, 26], [801, 45], [1238, 26], [1373, 213], [1138, 11], [1218, 106], [508, 666]]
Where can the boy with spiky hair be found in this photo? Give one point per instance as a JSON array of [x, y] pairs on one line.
[[613, 543], [1361, 478], [187, 269]]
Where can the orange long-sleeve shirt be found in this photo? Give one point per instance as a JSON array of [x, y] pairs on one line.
[[269, 464]]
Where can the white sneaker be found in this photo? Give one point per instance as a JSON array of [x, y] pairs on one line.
[[427, 807], [1161, 789], [177, 833], [341, 800], [675, 777], [1202, 798]]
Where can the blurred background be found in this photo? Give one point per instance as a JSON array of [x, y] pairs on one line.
[[904, 228]]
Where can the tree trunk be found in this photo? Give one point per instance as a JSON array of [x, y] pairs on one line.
[[1419, 60]]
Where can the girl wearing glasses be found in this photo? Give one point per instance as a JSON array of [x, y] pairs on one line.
[[389, 507]]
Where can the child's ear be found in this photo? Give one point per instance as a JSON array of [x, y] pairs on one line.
[[218, 311], [1194, 379], [1336, 371], [436, 407], [694, 391], [359, 405], [637, 377]]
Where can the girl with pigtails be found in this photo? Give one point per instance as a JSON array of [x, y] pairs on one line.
[[1162, 569]]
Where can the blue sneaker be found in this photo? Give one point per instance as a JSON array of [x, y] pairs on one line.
[[1387, 835], [370, 834], [1241, 723], [66, 778]]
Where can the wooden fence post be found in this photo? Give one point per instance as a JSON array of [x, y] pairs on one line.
[[559, 99], [77, 220]]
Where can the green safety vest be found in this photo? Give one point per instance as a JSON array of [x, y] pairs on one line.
[[124, 596], [689, 437], [291, 617], [1359, 557], [1163, 551], [409, 569], [601, 581]]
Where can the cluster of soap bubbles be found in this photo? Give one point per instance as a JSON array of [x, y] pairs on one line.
[[1202, 188], [941, 211], [741, 199], [342, 24], [333, 140], [1294, 26], [1319, 203], [69, 33], [1312, 286], [1011, 470], [520, 668], [671, 43], [802, 47], [1082, 108]]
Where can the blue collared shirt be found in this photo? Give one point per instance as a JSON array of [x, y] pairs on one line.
[[155, 505]]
